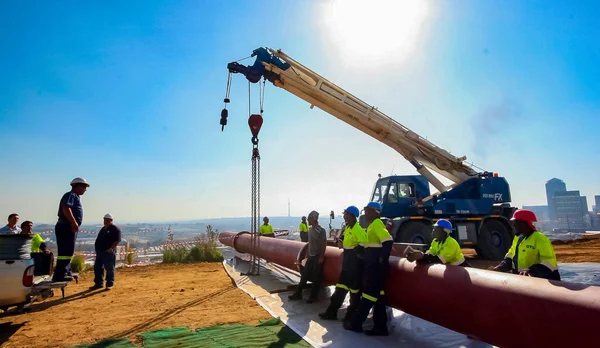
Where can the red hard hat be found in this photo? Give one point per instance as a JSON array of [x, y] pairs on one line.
[[525, 215]]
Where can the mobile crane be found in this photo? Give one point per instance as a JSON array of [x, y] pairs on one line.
[[477, 203]]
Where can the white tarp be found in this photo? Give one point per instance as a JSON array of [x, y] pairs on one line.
[[271, 290]]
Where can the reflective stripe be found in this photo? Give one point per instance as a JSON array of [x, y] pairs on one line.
[[387, 240], [341, 286], [354, 291], [549, 265], [373, 246], [508, 256], [462, 259], [369, 297], [442, 258], [64, 257], [349, 248]]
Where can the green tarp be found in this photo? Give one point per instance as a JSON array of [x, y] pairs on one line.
[[268, 334]]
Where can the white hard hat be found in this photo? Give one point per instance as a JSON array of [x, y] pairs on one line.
[[108, 216], [80, 181]]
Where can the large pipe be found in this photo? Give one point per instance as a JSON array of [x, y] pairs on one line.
[[502, 309]]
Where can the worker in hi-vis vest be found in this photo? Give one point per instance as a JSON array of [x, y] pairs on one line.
[[377, 253], [303, 228], [266, 230], [355, 239], [444, 249], [531, 253]]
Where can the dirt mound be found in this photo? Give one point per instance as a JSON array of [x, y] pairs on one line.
[[143, 299]]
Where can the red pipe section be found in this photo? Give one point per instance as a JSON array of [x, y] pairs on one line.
[[502, 309]]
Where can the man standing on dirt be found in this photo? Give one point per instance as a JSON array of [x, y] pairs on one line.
[[70, 217], [106, 246], [317, 242]]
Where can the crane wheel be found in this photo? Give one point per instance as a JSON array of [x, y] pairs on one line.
[[494, 240], [414, 232]]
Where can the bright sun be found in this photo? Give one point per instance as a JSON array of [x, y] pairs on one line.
[[373, 31]]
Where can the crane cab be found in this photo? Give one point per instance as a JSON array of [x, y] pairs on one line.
[[401, 195]]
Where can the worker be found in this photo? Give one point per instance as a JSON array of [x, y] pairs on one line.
[[106, 243], [317, 243], [444, 249], [531, 253], [303, 230], [377, 253], [11, 227], [355, 238], [266, 230], [37, 242], [70, 217]]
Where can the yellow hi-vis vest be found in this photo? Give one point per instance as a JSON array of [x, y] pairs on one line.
[[533, 250], [448, 251], [36, 241], [303, 227], [354, 236], [266, 229], [377, 234]]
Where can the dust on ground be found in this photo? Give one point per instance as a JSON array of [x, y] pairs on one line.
[[143, 299], [586, 249]]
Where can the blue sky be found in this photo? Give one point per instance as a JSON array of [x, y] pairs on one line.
[[129, 94]]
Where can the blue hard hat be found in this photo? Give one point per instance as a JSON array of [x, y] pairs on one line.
[[445, 224], [353, 210], [304, 218], [374, 205], [265, 218]]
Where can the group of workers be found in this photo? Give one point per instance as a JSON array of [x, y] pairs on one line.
[[366, 253], [70, 218]]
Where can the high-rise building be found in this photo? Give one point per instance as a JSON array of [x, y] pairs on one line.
[[597, 202], [584, 205], [570, 211], [553, 186]]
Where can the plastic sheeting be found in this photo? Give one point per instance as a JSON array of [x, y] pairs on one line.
[[273, 286]]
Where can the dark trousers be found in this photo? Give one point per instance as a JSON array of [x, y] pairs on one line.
[[312, 272], [104, 261], [304, 237], [349, 281], [372, 297], [65, 243]]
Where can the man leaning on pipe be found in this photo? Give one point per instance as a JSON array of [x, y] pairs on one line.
[[531, 253], [377, 253], [355, 239], [317, 242]]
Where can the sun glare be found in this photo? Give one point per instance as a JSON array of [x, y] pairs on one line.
[[373, 31]]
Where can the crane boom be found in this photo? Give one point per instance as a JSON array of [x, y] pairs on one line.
[[286, 73]]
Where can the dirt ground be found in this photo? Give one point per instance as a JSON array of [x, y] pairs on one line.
[[586, 249], [143, 299]]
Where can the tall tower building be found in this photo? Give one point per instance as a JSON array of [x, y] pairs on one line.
[[553, 186]]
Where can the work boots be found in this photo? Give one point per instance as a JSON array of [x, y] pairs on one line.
[[334, 305], [354, 301], [359, 317]]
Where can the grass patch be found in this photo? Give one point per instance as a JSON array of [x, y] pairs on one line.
[[203, 250], [78, 263]]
